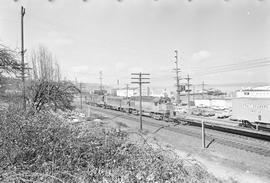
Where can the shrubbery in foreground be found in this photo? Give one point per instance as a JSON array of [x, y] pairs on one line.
[[43, 148]]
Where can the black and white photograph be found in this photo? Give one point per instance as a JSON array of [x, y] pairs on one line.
[[134, 91]]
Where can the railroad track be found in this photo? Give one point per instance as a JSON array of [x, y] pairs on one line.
[[223, 138]]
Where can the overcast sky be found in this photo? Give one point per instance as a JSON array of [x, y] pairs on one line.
[[141, 35]]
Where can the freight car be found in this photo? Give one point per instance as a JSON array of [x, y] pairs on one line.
[[252, 112]]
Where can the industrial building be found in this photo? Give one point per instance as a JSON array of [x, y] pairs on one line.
[[125, 92], [146, 91], [225, 103], [258, 92]]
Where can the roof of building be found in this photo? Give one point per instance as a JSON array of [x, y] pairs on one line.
[[261, 88]]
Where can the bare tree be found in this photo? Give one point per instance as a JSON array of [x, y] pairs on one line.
[[46, 89], [45, 66]]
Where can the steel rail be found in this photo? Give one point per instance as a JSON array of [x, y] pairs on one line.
[[224, 139]]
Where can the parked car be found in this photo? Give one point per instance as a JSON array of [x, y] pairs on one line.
[[196, 112], [135, 112], [146, 114], [223, 115], [157, 116], [208, 113]]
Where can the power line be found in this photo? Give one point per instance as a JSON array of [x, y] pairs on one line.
[[252, 61], [140, 79], [248, 67], [245, 65], [250, 64]]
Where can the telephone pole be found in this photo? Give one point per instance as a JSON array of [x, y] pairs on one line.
[[203, 89], [194, 93], [188, 90], [177, 71], [22, 61], [140, 79], [100, 80], [81, 95], [127, 89]]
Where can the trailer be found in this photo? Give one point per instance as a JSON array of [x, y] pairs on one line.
[[252, 111]]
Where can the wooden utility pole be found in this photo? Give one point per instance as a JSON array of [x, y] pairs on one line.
[[140, 80], [100, 79], [188, 89], [127, 89], [203, 135], [203, 89], [81, 95], [177, 71], [193, 93], [22, 59]]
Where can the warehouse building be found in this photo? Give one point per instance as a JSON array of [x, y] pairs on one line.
[[214, 103], [258, 92]]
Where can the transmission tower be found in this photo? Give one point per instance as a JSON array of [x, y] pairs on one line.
[[177, 72]]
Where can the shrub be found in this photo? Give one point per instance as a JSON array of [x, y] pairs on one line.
[[51, 94], [43, 148]]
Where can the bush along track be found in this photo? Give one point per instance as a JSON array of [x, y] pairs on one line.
[[45, 148]]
